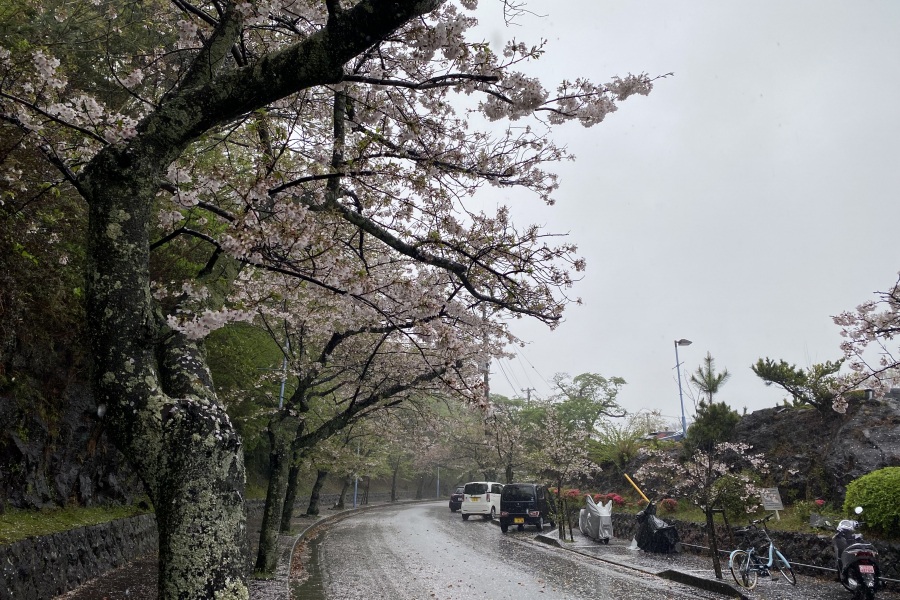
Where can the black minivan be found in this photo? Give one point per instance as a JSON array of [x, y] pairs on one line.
[[525, 504]]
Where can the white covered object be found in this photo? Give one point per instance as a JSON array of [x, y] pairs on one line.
[[595, 520]]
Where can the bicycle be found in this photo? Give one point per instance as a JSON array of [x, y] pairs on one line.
[[747, 565]]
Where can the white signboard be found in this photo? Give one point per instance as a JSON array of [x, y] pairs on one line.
[[771, 499]]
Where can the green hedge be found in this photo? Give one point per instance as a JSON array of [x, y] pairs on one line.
[[879, 494]]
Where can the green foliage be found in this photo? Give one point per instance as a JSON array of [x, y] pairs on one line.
[[246, 366], [730, 491], [802, 509], [17, 525], [618, 443], [42, 329], [588, 397], [713, 424], [877, 492], [706, 380], [807, 387]]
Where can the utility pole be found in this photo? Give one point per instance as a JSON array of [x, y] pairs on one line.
[[487, 362], [528, 392]]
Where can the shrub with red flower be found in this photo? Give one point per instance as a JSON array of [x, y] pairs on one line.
[[820, 502], [668, 505], [572, 493]]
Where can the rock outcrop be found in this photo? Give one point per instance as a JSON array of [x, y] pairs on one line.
[[816, 455], [51, 459]]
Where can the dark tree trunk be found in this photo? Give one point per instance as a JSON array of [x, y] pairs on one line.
[[394, 472], [713, 542], [282, 431], [313, 508], [509, 474], [290, 498], [344, 488]]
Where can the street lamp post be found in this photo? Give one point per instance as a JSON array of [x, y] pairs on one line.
[[681, 342]]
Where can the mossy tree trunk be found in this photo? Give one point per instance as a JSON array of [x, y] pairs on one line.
[[156, 393], [153, 385]]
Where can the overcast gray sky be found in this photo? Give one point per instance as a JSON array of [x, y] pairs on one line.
[[740, 205]]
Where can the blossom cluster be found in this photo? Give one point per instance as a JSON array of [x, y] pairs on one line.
[[868, 334]]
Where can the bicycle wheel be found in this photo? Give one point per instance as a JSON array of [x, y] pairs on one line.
[[742, 569], [785, 567]]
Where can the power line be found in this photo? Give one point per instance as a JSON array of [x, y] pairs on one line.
[[505, 376], [524, 370], [522, 354]]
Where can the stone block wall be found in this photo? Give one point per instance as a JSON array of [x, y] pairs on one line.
[[43, 567]]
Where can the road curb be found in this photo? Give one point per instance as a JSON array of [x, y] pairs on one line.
[[546, 539], [711, 585]]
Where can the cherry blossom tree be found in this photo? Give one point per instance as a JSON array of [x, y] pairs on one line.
[[275, 138], [868, 347], [561, 455], [701, 477], [508, 429], [349, 359]]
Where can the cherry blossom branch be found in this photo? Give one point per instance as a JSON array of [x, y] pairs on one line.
[[321, 177], [412, 251], [448, 80], [414, 155], [37, 109]]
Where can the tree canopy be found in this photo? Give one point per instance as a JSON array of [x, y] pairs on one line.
[[230, 154], [813, 387]]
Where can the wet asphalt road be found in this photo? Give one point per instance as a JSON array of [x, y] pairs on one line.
[[425, 552]]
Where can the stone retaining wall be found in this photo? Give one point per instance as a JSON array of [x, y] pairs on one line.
[[43, 567], [800, 548]]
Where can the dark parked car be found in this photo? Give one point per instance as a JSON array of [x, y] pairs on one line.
[[525, 504], [456, 499]]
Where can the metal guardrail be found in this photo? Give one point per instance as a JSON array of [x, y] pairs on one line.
[[830, 569]]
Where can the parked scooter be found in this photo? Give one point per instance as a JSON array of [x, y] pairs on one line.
[[857, 561]]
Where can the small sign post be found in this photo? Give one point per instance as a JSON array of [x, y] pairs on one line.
[[771, 500]]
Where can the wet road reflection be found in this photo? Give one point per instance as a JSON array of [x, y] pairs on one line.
[[424, 551]]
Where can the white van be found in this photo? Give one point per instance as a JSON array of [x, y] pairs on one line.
[[481, 498]]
